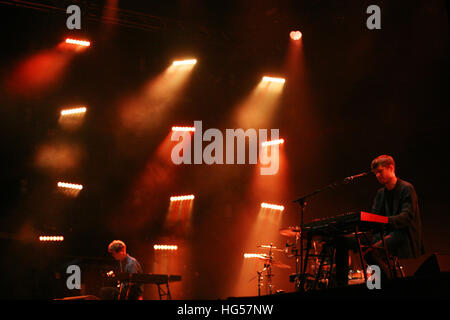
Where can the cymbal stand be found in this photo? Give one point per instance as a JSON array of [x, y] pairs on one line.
[[295, 253], [260, 279], [268, 269], [269, 276]]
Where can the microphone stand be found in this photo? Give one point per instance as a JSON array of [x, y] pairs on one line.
[[302, 202]]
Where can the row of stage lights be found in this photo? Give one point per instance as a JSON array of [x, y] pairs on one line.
[[51, 238], [67, 113], [165, 247], [156, 247], [295, 35], [84, 43]]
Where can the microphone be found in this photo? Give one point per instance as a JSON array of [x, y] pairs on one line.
[[356, 176]]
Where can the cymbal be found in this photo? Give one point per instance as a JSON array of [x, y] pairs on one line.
[[264, 246], [266, 259], [280, 265], [291, 232]]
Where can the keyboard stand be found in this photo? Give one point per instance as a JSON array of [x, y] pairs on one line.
[[328, 251], [164, 293], [384, 248]]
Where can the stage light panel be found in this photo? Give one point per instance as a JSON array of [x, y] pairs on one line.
[[273, 79], [184, 62], [273, 142], [82, 43], [51, 238], [272, 206], [185, 129], [182, 198], [72, 111], [70, 186], [165, 247]]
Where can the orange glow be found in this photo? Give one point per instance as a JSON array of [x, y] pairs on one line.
[[154, 182], [179, 216], [295, 35], [258, 109], [263, 227], [182, 198], [165, 247], [82, 43], [51, 238], [273, 142], [272, 206], [57, 157], [148, 108], [172, 262], [39, 73], [301, 121], [109, 16], [186, 129]]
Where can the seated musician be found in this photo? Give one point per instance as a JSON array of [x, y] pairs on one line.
[[403, 235], [127, 264]]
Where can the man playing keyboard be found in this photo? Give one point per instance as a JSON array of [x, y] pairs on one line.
[[398, 201]]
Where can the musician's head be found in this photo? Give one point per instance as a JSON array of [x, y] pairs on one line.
[[383, 167], [118, 249]]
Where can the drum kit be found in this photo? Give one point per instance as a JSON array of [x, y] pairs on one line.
[[291, 250]]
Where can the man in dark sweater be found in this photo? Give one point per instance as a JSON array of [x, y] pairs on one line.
[[403, 235], [398, 201]]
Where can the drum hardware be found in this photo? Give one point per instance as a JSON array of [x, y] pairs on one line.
[[269, 262]]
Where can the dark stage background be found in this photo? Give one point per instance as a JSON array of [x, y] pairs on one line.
[[353, 94]]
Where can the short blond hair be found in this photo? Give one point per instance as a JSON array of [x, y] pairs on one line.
[[116, 246]]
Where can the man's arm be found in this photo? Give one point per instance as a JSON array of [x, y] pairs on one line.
[[406, 215]]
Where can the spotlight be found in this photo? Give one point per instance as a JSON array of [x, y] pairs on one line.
[[186, 129], [184, 62], [165, 247], [295, 35], [70, 186], [272, 206], [82, 43], [79, 110], [182, 198], [51, 238], [273, 142], [254, 255], [272, 79]]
